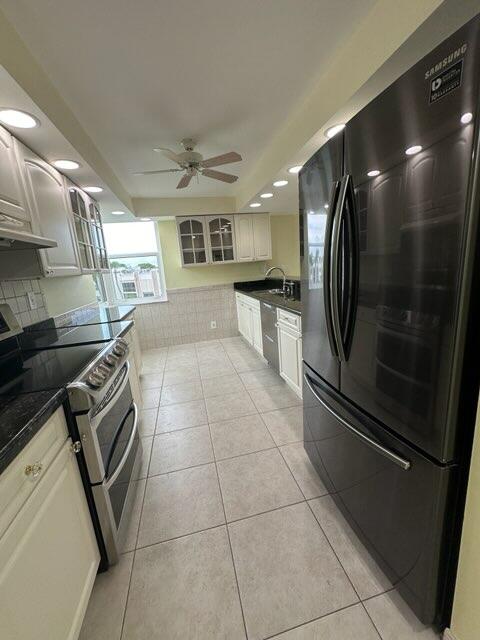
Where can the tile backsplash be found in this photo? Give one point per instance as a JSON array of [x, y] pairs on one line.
[[14, 293], [187, 316]]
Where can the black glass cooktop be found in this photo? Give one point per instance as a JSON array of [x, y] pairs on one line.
[[69, 337], [26, 371]]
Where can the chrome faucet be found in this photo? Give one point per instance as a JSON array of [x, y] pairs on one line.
[[284, 286]]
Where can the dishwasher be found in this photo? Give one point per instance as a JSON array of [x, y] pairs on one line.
[[269, 334]]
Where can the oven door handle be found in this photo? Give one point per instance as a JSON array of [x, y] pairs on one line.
[[128, 448], [98, 417], [387, 453]]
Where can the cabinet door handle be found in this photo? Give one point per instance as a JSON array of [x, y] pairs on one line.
[[33, 470]]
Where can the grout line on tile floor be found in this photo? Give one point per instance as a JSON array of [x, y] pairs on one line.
[[228, 533]]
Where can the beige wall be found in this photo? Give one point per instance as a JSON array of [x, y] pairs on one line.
[[286, 243], [178, 277], [466, 607], [285, 253], [65, 294]]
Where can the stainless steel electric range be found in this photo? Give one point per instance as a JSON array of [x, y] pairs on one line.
[[92, 363]]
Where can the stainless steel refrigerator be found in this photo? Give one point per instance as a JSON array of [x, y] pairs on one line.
[[389, 212]]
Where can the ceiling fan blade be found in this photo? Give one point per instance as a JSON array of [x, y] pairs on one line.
[[225, 158], [185, 181], [219, 175], [168, 153], [149, 173]]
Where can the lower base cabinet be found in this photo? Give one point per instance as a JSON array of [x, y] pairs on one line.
[[250, 321], [48, 553], [290, 350]]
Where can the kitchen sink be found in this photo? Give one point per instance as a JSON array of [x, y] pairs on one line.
[[277, 292]]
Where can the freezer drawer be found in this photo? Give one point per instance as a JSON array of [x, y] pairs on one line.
[[395, 499]]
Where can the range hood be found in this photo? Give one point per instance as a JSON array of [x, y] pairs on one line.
[[10, 239]]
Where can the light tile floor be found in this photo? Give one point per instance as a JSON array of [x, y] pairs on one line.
[[233, 534]]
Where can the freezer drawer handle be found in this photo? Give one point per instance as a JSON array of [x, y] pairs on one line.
[[404, 464]]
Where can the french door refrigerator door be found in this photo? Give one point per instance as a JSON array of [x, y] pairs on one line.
[[394, 497], [409, 156], [319, 184]]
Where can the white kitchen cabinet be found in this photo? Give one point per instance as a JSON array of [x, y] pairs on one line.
[[290, 349], [14, 211], [48, 554], [249, 321], [244, 237], [221, 239], [51, 217], [253, 237], [262, 238], [192, 239]]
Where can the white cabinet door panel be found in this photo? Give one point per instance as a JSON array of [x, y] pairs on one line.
[[13, 202], [289, 353], [262, 236], [49, 558], [244, 237], [50, 214]]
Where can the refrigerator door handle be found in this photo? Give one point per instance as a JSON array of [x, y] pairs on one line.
[[327, 291], [352, 272], [390, 455], [334, 272]]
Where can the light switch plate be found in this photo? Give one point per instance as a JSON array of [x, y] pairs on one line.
[[32, 300]]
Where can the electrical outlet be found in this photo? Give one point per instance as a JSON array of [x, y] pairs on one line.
[[213, 324], [32, 300]]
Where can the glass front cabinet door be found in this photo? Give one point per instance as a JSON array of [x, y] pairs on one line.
[[221, 239], [192, 239]]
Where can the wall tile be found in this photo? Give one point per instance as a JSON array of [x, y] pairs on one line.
[[14, 293]]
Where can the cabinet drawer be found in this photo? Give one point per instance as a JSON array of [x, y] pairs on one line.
[[289, 319], [16, 484]]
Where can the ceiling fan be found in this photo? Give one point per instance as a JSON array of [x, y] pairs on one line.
[[193, 164]]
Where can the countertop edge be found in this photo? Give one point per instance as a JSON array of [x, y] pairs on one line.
[[31, 427], [281, 305]]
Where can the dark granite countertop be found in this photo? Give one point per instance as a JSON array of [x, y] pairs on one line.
[[295, 306], [21, 417], [259, 289]]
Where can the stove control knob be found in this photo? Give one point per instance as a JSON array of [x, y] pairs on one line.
[[94, 381], [102, 367], [110, 360], [119, 350], [99, 373]]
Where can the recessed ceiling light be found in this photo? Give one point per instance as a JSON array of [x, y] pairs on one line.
[[16, 118], [280, 183], [295, 169], [93, 189], [332, 131], [118, 213], [413, 150], [145, 219], [266, 195], [254, 205], [373, 173], [65, 164], [466, 118], [325, 206]]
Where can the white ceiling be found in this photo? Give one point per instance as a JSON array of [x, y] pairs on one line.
[[148, 73]]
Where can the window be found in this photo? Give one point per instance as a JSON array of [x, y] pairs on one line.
[[136, 268]]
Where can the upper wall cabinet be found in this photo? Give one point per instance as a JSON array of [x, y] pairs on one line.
[[224, 238], [88, 229], [192, 240], [221, 238], [253, 237], [50, 214], [13, 204]]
